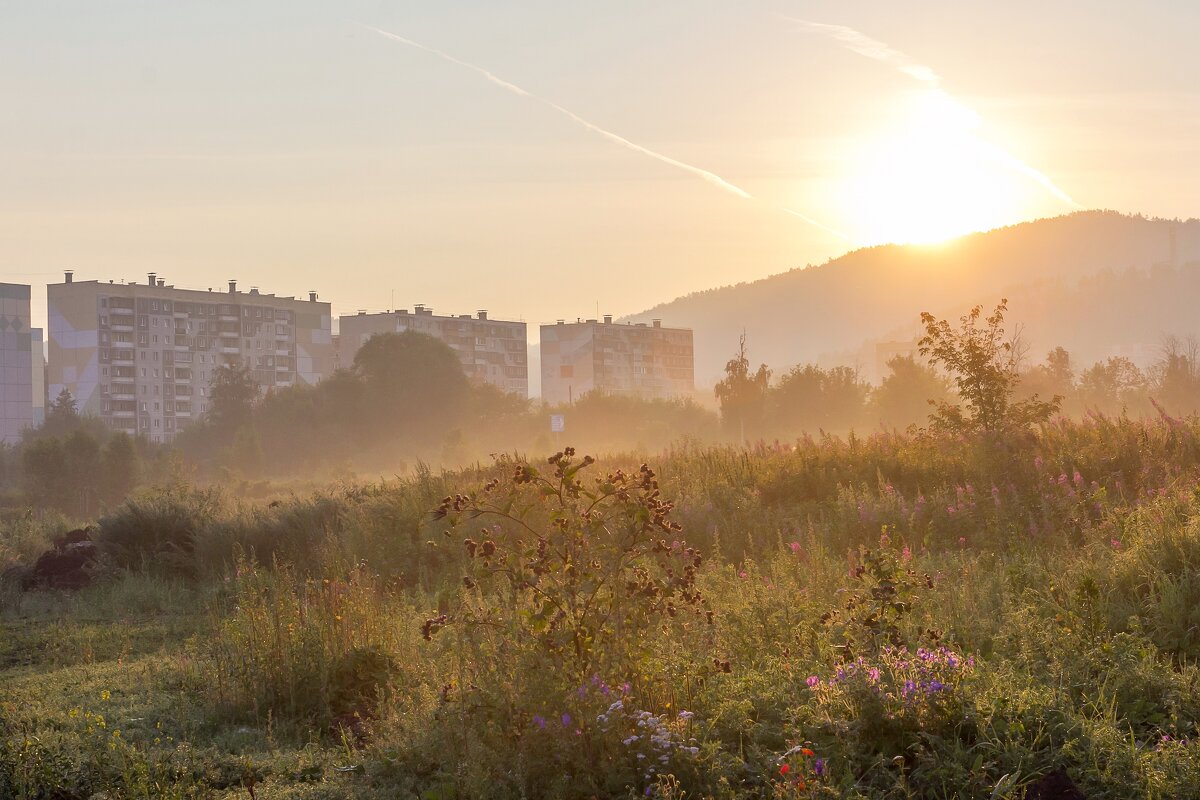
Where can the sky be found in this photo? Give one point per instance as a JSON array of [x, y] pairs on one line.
[[294, 147]]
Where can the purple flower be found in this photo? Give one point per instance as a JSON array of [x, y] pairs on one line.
[[819, 767], [566, 720], [540, 721], [813, 681]]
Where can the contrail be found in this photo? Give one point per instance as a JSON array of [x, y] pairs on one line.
[[864, 45], [710, 177], [871, 48]]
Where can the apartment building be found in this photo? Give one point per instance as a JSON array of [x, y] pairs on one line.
[[16, 362], [141, 355], [492, 351], [590, 355]]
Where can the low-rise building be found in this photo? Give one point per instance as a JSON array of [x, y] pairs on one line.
[[141, 355], [590, 355], [491, 350]]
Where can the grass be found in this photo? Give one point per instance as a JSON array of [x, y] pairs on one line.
[[892, 617]]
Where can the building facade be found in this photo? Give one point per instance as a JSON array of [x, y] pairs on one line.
[[491, 351], [589, 355], [141, 355], [37, 340], [16, 362]]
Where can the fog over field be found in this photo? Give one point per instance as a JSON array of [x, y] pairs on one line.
[[521, 400]]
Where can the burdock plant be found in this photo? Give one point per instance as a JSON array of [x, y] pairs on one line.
[[588, 571]]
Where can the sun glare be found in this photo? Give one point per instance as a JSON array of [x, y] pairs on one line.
[[931, 178]]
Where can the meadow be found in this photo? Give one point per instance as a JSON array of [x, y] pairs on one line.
[[893, 616]]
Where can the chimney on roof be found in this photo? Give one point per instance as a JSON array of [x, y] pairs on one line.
[[162, 282], [232, 287], [68, 276], [312, 297], [561, 322], [608, 319], [150, 279], [658, 323], [483, 314]]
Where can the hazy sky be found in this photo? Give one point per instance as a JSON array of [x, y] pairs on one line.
[[285, 145]]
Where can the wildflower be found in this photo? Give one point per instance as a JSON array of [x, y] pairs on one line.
[[540, 721], [795, 547], [962, 541], [806, 752], [629, 740], [1116, 544], [686, 715], [873, 673], [819, 767], [566, 720], [813, 681], [785, 769]]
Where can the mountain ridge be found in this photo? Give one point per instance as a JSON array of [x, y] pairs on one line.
[[807, 313]]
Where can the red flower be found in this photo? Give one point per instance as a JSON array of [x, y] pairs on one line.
[[784, 770]]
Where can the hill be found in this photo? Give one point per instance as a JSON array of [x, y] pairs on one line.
[[806, 314]]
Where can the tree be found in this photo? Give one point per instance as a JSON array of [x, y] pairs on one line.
[[81, 453], [414, 386], [120, 467], [1113, 386], [983, 369], [904, 397], [1054, 378], [1176, 376], [232, 393], [62, 416], [812, 399], [45, 471], [743, 394]]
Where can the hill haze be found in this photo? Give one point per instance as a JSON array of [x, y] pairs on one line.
[[818, 312]]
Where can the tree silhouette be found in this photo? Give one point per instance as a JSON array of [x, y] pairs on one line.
[[743, 394]]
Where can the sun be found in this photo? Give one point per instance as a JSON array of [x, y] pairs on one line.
[[932, 177]]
